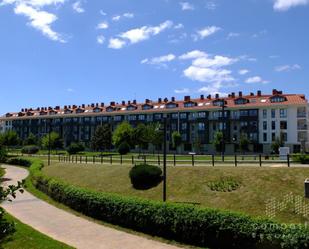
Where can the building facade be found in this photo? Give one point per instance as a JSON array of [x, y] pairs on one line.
[[261, 118]]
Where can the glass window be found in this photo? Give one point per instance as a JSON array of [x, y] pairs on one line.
[[265, 137], [241, 101], [174, 115], [283, 125], [277, 99], [189, 104], [265, 125], [117, 118], [253, 113], [273, 136], [201, 126], [273, 113], [147, 107], [283, 113], [171, 105], [184, 126], [141, 117], [273, 125], [284, 136], [264, 113], [183, 115], [202, 114], [243, 113]]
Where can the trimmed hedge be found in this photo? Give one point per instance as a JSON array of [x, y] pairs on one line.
[[301, 158], [197, 226], [19, 162], [30, 149], [145, 176]]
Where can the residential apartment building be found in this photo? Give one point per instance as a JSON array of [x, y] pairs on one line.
[[262, 118]]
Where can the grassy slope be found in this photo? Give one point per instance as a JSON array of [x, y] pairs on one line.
[[189, 184], [26, 237]]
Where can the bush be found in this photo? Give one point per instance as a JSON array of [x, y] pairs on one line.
[[124, 148], [224, 185], [19, 162], [145, 176], [6, 228], [30, 149], [301, 158], [3, 155], [74, 148], [203, 227]]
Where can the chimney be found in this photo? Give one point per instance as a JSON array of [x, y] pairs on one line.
[[279, 92], [233, 95], [240, 94], [92, 105], [159, 100], [202, 97], [38, 108], [165, 100], [251, 94], [83, 105], [275, 92], [102, 104], [22, 110], [57, 107], [134, 101], [259, 93], [129, 102], [209, 96], [173, 99], [147, 101], [65, 107], [74, 106], [123, 102], [113, 103], [187, 98], [96, 104], [217, 95], [229, 95]]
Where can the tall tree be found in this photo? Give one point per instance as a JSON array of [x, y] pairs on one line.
[[102, 138], [155, 134], [176, 140], [244, 143], [31, 140], [217, 142], [275, 146], [123, 133], [53, 139], [140, 136], [10, 138]]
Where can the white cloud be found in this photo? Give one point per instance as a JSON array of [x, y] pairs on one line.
[[159, 60], [77, 7], [102, 25], [179, 26], [186, 6], [125, 15], [256, 79], [283, 5], [116, 43], [287, 68], [182, 91], [38, 18], [215, 62], [243, 71], [100, 39], [211, 5], [232, 35], [209, 75], [70, 90], [140, 34], [205, 32], [192, 55], [102, 13]]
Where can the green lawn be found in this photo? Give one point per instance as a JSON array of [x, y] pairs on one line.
[[190, 184]]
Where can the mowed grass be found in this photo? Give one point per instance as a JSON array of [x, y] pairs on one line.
[[190, 185]]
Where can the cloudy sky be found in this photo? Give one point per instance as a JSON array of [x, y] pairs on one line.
[[56, 52]]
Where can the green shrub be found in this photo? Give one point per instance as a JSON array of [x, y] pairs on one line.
[[145, 176], [30, 149], [301, 158], [203, 227], [3, 155], [224, 185], [19, 162], [124, 148], [74, 148]]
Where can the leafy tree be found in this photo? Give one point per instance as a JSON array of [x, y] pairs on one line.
[[176, 140], [155, 135], [123, 133], [31, 140], [55, 141], [140, 136], [102, 138], [244, 143], [217, 142], [10, 138], [74, 148], [124, 148], [3, 155], [277, 144]]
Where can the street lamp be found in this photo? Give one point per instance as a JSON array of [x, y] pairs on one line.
[[223, 106], [49, 145], [164, 156]]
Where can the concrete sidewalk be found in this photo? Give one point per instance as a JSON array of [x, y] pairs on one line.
[[66, 227]]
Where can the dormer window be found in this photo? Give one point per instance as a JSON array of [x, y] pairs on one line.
[[241, 101], [131, 108], [20, 114], [52, 112], [219, 102], [97, 109], [110, 109], [43, 113], [8, 115], [171, 105], [190, 104], [79, 110], [67, 111], [277, 99], [147, 107]]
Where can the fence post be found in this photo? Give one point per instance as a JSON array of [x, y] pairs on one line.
[[235, 160], [174, 159], [111, 159], [192, 160], [145, 161], [59, 158], [288, 158], [260, 157], [213, 160], [80, 159], [120, 159], [159, 160], [86, 159], [132, 160], [93, 159]]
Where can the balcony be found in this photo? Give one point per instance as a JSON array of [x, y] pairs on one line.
[[301, 115], [303, 127]]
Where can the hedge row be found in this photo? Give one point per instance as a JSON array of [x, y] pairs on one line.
[[184, 223]]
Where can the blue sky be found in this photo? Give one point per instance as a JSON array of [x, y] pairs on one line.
[[57, 52]]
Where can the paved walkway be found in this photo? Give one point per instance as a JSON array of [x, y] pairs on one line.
[[66, 227]]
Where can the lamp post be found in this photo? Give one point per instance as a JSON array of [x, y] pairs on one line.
[[49, 145], [223, 106], [164, 156]]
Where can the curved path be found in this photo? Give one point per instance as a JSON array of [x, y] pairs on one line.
[[66, 227]]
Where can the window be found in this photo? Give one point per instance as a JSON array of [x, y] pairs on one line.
[[277, 99], [273, 125], [97, 109], [117, 118], [147, 107], [240, 101], [149, 118], [184, 137], [173, 127], [284, 136], [110, 109], [171, 105], [201, 114], [273, 113], [131, 108], [79, 110], [201, 126], [189, 104], [253, 113], [264, 114], [141, 117], [283, 125], [265, 137], [264, 125], [218, 102], [184, 126], [273, 136], [283, 113], [243, 113], [132, 117], [253, 136], [174, 115], [157, 116], [183, 115]]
